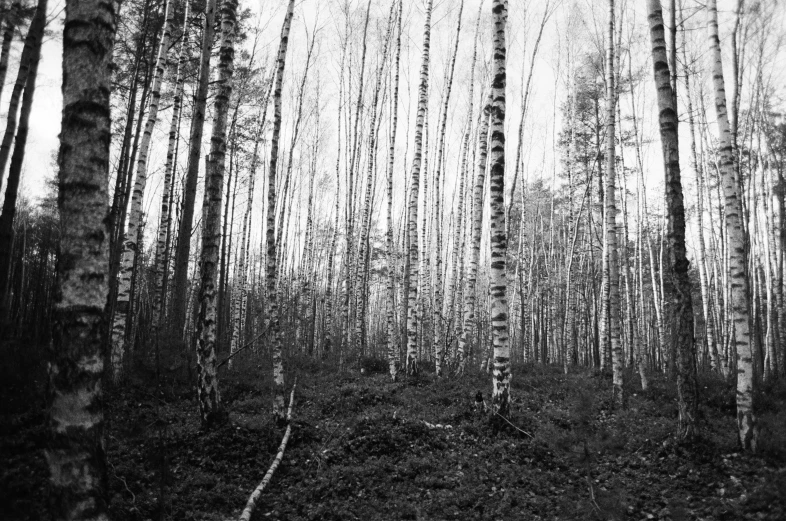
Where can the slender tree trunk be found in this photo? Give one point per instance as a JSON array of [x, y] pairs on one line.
[[678, 279], [130, 248], [240, 289], [183, 249], [746, 417], [118, 213], [207, 378], [390, 306], [439, 318], [361, 295], [76, 452], [500, 401], [273, 310], [697, 167], [30, 53], [327, 303], [349, 254], [169, 171], [10, 19], [470, 292], [611, 281], [412, 275], [15, 170]]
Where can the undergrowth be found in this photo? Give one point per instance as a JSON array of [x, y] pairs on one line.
[[363, 447]]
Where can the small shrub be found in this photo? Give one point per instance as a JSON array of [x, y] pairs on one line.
[[717, 393], [374, 365], [772, 436], [305, 364]]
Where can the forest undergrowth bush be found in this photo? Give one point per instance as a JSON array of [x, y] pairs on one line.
[[418, 449]]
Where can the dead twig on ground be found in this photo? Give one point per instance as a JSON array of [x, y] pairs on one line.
[[508, 422]]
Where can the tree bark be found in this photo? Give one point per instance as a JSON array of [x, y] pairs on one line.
[[273, 310], [76, 452], [500, 399], [393, 358], [169, 171], [15, 170], [737, 258], [183, 249], [10, 20], [207, 378], [678, 280], [412, 275], [30, 52], [611, 268], [120, 319]]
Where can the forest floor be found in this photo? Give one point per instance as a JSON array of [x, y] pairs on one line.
[[363, 447]]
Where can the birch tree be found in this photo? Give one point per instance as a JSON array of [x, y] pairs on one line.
[[165, 215], [737, 261], [393, 360], [15, 168], [76, 450], [273, 309], [183, 249], [679, 284], [207, 379], [130, 243], [500, 400], [439, 318], [611, 278], [414, 187]]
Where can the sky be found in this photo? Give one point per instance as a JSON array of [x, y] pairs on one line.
[[575, 25]]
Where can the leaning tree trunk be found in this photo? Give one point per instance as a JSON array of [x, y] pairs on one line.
[[76, 452], [610, 229], [412, 275], [207, 378], [15, 170], [500, 400], [678, 279], [746, 418], [169, 171], [273, 310], [130, 246], [183, 250], [10, 21], [30, 52]]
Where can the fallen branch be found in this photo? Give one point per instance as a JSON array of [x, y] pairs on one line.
[[252, 501], [239, 349], [508, 421]]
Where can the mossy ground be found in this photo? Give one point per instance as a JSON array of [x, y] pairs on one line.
[[361, 449]]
